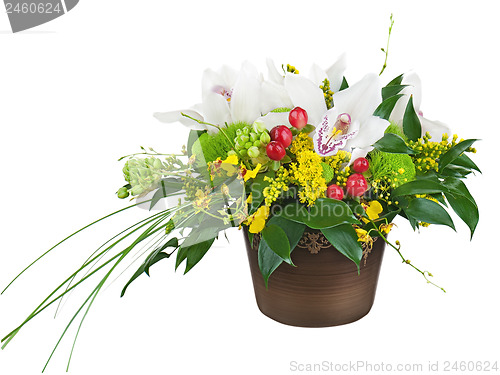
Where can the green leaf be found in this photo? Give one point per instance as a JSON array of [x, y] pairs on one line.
[[344, 85], [411, 124], [307, 129], [277, 240], [465, 209], [428, 211], [294, 212], [393, 143], [396, 81], [466, 162], [345, 240], [328, 213], [385, 108], [454, 152], [419, 187], [391, 90], [195, 253], [457, 186], [153, 258], [268, 259]]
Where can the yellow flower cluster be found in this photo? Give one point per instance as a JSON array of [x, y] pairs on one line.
[[302, 142], [427, 153], [327, 93], [277, 185], [337, 162], [308, 174]]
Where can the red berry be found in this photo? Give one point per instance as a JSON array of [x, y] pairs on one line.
[[298, 118], [335, 192], [275, 151], [356, 185], [281, 134], [360, 165]]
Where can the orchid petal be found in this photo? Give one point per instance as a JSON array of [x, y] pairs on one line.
[[305, 94], [274, 96], [176, 116], [273, 119], [216, 110], [273, 73], [317, 75], [435, 128], [361, 99], [245, 100], [335, 73], [371, 131]]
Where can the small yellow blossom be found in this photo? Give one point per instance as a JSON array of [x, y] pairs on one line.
[[257, 221], [364, 237], [251, 174], [373, 209], [386, 228]]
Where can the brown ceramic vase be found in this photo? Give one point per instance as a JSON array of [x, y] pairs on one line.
[[323, 290]]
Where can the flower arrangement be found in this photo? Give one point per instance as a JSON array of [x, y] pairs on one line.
[[280, 155]]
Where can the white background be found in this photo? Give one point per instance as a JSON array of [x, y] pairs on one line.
[[79, 92]]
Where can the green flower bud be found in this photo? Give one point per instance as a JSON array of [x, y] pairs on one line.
[[246, 131], [238, 132], [243, 153], [248, 145], [257, 143], [254, 137], [259, 126], [239, 146], [253, 152], [122, 193], [231, 152], [265, 138], [243, 139]]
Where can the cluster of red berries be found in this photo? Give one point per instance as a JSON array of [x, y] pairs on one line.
[[281, 135], [356, 184]]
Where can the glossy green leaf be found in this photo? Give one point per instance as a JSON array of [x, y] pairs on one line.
[[391, 90], [328, 213], [268, 259], [152, 259], [385, 108], [277, 240], [196, 252], [257, 188], [464, 161], [411, 123], [465, 209], [428, 211], [393, 143], [344, 85], [293, 211], [396, 81], [454, 152], [419, 187], [457, 186], [345, 240]]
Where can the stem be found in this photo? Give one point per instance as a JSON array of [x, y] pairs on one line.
[[386, 50], [406, 261]]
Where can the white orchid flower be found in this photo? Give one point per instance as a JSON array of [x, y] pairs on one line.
[[350, 124], [228, 96], [435, 128], [295, 90]]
